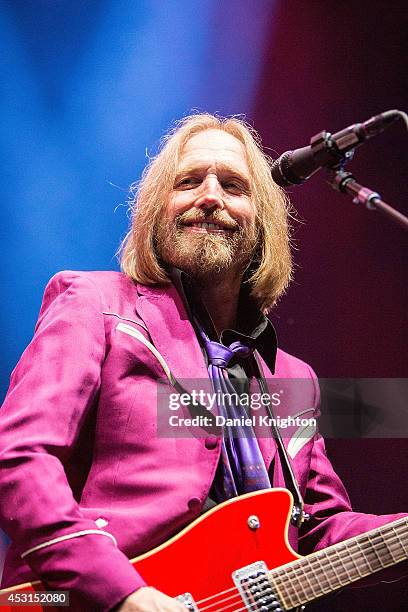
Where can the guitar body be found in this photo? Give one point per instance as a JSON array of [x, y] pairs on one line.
[[201, 559], [211, 562]]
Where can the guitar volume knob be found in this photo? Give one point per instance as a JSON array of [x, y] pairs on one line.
[[253, 522]]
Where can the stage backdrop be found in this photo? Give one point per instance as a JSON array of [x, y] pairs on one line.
[[88, 89]]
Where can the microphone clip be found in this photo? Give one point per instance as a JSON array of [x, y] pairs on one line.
[[345, 182], [326, 151]]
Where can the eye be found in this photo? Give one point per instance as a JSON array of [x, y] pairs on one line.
[[188, 182], [234, 187], [230, 185]]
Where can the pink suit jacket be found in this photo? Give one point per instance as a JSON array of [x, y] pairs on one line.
[[85, 482]]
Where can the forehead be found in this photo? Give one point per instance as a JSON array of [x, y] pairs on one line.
[[212, 147]]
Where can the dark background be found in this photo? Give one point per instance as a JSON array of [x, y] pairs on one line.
[[331, 64], [87, 86]]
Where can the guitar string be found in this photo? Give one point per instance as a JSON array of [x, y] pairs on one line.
[[307, 561], [316, 579], [232, 604], [310, 568], [237, 594], [280, 580], [388, 549], [233, 588], [250, 606], [346, 564], [368, 547], [399, 539], [343, 562], [313, 593], [219, 602], [289, 591], [217, 594]]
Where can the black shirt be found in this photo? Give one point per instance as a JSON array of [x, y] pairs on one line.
[[253, 328]]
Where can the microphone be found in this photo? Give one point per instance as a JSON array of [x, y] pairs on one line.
[[328, 150]]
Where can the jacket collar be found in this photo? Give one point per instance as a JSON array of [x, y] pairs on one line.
[[164, 314]]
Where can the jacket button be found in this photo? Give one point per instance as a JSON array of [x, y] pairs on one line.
[[211, 442], [194, 504]]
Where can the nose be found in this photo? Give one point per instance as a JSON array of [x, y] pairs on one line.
[[210, 196]]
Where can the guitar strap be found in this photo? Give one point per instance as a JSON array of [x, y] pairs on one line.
[[298, 514]]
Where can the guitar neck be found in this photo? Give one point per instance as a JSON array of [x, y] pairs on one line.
[[325, 571]]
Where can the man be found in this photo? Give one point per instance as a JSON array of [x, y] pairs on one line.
[[86, 482]]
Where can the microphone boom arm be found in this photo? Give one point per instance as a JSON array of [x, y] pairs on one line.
[[333, 151], [346, 183]]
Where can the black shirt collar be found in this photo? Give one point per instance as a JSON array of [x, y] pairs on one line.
[[253, 328]]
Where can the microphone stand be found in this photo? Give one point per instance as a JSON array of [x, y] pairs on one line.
[[346, 183], [333, 151]]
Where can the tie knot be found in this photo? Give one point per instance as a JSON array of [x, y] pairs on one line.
[[220, 355]]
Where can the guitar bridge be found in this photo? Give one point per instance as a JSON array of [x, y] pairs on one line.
[[255, 588], [188, 602]]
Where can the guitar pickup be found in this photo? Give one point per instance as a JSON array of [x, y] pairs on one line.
[[255, 588], [188, 602]]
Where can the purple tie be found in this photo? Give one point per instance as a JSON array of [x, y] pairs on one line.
[[243, 467]]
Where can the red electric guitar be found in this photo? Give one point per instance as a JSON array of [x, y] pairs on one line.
[[236, 557]]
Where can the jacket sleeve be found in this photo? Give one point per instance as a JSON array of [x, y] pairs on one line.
[[332, 519], [53, 388]]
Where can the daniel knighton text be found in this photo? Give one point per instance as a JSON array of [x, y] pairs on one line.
[[251, 401], [256, 420]]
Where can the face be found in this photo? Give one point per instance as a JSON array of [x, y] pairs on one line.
[[209, 221]]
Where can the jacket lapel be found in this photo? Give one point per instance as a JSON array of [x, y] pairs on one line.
[[172, 334]]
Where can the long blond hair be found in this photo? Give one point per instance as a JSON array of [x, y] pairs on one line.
[[271, 273]]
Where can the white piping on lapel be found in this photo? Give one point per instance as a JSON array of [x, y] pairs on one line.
[[115, 314], [301, 437], [135, 333]]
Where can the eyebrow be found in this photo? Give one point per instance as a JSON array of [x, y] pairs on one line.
[[221, 167]]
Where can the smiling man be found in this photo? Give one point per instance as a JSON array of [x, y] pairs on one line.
[[209, 223], [209, 227], [85, 481]]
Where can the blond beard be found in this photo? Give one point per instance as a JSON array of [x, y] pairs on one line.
[[205, 255]]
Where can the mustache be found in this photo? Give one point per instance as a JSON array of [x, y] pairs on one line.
[[198, 216]]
